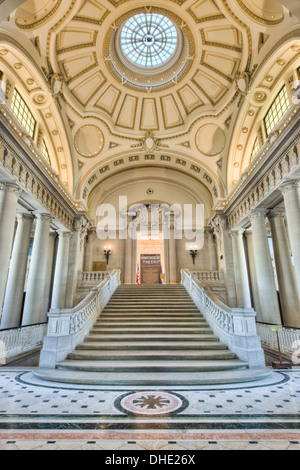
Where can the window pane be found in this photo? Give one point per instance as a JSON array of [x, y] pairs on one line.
[[45, 152], [149, 40], [23, 113], [255, 149], [277, 110]]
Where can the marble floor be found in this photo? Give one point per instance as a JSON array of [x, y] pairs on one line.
[[38, 415]]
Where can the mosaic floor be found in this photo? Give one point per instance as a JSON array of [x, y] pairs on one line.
[[262, 415]]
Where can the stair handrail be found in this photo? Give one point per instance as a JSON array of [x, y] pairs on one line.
[[236, 327], [68, 327]]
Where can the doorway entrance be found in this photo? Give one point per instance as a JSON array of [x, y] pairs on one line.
[[150, 260]]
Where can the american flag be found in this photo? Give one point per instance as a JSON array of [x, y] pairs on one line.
[[138, 279]]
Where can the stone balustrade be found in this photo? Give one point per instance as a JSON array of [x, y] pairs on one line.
[[235, 327], [93, 277], [207, 276], [16, 341], [289, 340], [68, 327]]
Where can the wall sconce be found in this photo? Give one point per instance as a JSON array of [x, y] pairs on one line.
[[193, 254], [107, 253]]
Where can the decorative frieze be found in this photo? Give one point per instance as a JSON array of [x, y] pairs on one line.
[[28, 180], [286, 162]]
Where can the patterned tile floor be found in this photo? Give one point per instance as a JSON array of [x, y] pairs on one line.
[[262, 415]]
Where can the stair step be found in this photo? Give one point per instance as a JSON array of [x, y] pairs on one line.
[[123, 355], [149, 379], [147, 331], [145, 323], [154, 337], [161, 314], [157, 366], [155, 345]]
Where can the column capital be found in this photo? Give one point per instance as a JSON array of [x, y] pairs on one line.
[[288, 186], [63, 234], [12, 187], [24, 216], [258, 214], [277, 213], [237, 232], [44, 216]]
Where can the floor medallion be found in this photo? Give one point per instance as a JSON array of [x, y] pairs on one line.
[[151, 403]]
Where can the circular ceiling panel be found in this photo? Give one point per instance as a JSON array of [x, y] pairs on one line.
[[34, 13], [89, 141], [149, 40], [210, 140], [268, 12], [149, 50]]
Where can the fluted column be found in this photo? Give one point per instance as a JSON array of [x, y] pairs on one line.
[[12, 308], [264, 270], [285, 272], [34, 299], [240, 269], [61, 271], [9, 194], [291, 197]]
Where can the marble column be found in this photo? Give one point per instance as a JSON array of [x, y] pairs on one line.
[[61, 271], [285, 272], [241, 271], [77, 243], [226, 258], [166, 260], [9, 194], [49, 276], [34, 299], [128, 260], [13, 302], [134, 262], [212, 251], [252, 272], [269, 308], [291, 197], [172, 258], [88, 251]]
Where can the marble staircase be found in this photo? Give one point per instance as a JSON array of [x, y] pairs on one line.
[[151, 335]]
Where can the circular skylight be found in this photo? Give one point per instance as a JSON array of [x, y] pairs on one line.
[[149, 40]]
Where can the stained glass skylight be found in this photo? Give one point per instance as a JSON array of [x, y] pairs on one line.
[[149, 40]]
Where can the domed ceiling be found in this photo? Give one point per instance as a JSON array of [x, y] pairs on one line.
[[160, 84]]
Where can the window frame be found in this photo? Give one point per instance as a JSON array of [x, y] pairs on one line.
[[23, 113]]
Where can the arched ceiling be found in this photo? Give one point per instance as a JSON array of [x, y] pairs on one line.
[[188, 124]]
